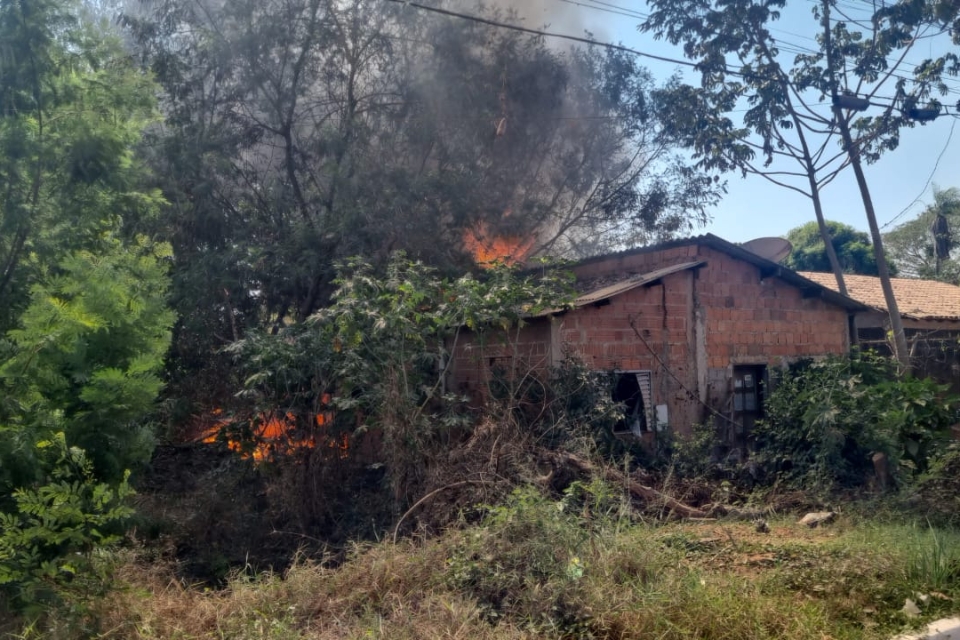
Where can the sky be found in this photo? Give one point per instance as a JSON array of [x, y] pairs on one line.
[[754, 207]]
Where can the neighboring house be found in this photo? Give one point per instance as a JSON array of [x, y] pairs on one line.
[[690, 328], [931, 320]]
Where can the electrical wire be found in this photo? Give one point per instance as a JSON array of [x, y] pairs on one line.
[[605, 10], [588, 41], [784, 45], [929, 179], [540, 32]]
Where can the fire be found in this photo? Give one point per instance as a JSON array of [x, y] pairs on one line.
[[275, 433], [488, 250]]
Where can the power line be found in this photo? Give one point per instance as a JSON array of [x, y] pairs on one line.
[[564, 36], [638, 14], [784, 45], [538, 32], [605, 10], [927, 183]]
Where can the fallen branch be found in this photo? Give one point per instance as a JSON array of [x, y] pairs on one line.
[[416, 505], [643, 492]]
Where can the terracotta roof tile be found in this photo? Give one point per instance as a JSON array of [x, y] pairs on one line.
[[919, 299]]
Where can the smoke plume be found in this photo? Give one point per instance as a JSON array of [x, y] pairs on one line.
[[557, 16]]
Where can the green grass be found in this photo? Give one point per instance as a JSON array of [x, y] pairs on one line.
[[540, 569]]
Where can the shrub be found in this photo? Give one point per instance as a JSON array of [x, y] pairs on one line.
[[380, 352], [525, 563], [824, 420], [48, 542]]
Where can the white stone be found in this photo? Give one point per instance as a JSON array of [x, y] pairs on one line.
[[944, 629]]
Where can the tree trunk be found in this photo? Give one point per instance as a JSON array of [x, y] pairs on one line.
[[896, 321], [831, 251], [853, 151]]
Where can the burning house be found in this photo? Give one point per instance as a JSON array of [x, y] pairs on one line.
[[690, 328]]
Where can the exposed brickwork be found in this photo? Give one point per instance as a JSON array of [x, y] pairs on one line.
[[698, 323]]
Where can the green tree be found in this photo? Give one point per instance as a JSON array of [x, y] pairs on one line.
[[794, 107], [299, 133], [912, 244], [380, 353], [84, 321], [853, 249]]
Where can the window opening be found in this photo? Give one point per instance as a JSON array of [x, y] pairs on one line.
[[634, 390]]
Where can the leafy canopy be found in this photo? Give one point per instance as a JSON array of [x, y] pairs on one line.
[[84, 321], [853, 248], [913, 245]]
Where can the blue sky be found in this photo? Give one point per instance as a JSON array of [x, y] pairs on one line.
[[753, 206]]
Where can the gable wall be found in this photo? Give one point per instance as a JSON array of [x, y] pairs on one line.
[[698, 323]]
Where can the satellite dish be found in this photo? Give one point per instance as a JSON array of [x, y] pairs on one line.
[[773, 249]]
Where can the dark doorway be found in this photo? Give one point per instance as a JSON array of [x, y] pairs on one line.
[[748, 387], [632, 389]]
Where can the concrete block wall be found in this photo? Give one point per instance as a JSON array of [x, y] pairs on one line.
[[476, 356], [698, 324], [763, 321], [662, 333]]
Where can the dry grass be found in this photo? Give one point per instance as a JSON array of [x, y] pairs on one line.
[[535, 571]]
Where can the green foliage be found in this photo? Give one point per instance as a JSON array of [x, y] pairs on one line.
[[84, 324], [72, 110], [524, 564], [854, 249], [912, 244], [49, 540], [86, 359], [938, 488], [824, 419], [381, 351], [580, 408], [693, 454]]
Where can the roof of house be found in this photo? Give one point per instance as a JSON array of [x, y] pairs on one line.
[[767, 269], [632, 282], [917, 299]]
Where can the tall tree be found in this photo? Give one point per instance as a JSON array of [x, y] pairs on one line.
[[929, 245], [786, 133], [299, 132], [83, 317], [853, 249]]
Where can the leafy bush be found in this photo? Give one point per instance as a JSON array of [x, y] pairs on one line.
[[379, 352], [938, 488], [825, 419], [580, 408], [525, 562], [86, 356], [48, 541]]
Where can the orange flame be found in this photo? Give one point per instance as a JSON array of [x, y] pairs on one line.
[[487, 250], [275, 433]]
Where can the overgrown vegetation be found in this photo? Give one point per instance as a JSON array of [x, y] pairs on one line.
[[84, 323], [826, 420], [361, 496], [574, 566]]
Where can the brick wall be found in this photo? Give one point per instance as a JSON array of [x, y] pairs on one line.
[[476, 356], [698, 324], [763, 321]]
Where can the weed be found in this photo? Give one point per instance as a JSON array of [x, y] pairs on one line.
[[933, 560]]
